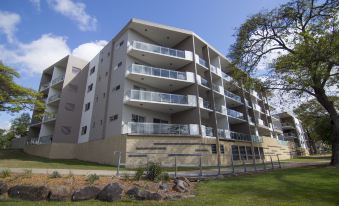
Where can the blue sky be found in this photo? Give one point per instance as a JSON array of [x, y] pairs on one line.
[[36, 33]]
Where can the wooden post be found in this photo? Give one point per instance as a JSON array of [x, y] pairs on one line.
[[279, 161], [272, 162], [175, 165]]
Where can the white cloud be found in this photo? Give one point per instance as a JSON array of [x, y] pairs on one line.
[[8, 22], [76, 12], [35, 56], [88, 51], [36, 4]]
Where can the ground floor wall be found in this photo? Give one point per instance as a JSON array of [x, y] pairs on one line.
[[137, 151]]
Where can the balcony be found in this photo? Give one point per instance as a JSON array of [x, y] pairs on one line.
[[44, 87], [217, 88], [207, 131], [201, 62], [143, 128], [290, 136], [257, 108], [240, 136], [221, 109], [232, 96], [287, 125], [226, 77], [47, 139], [215, 70], [162, 102], [49, 117], [158, 55], [163, 79], [205, 104], [54, 98], [35, 122], [235, 114], [57, 81]]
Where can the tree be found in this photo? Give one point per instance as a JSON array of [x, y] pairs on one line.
[[20, 125], [302, 39], [13, 97], [316, 120]]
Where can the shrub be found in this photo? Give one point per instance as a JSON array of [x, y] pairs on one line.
[[153, 171], [126, 177], [91, 178], [70, 174], [28, 173], [139, 173], [164, 177], [5, 173], [55, 174]]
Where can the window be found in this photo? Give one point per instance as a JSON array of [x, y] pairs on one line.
[[83, 130], [90, 87], [119, 64], [155, 120], [138, 118], [101, 59], [75, 70], [120, 44], [92, 70], [69, 106], [65, 130], [114, 117], [116, 88], [249, 152], [87, 106], [222, 149], [243, 152], [235, 152], [104, 95], [256, 153], [214, 148], [262, 154]]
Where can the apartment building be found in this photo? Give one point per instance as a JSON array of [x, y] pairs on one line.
[[155, 92], [293, 132]]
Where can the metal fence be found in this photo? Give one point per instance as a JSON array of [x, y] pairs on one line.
[[202, 165]]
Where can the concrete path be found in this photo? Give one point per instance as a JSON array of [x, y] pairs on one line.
[[191, 173]]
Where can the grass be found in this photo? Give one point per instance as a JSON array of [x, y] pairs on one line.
[[19, 159], [311, 159], [299, 186]]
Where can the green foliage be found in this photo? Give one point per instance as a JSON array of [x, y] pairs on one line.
[[55, 174], [91, 178], [5, 173], [164, 177], [13, 97], [20, 125], [153, 171], [6, 138], [139, 173], [27, 173]]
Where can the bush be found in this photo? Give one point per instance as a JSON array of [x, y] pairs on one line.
[[28, 173], [70, 174], [153, 171], [139, 173], [5, 173], [55, 174], [91, 178], [164, 177]]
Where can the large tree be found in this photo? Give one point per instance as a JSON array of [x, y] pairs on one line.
[[20, 125], [13, 97], [302, 40]]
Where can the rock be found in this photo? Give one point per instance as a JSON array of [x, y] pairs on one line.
[[110, 193], [28, 192], [86, 193], [180, 186], [60, 193], [173, 197], [185, 180], [3, 188], [142, 194], [163, 186]]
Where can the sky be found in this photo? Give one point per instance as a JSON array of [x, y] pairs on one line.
[[36, 33]]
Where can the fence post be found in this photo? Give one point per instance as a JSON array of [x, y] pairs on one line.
[[279, 161], [243, 164], [263, 161], [254, 163], [175, 165], [119, 162], [232, 163], [200, 166], [272, 162]]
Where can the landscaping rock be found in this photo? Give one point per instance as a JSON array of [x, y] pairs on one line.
[[29, 192], [142, 194], [185, 180], [181, 186], [59, 193], [86, 193], [163, 186], [3, 188], [110, 193]]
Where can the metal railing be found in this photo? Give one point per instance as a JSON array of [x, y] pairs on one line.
[[54, 97], [48, 117], [157, 97], [44, 86], [287, 124], [226, 77], [216, 88], [257, 139], [158, 49], [58, 79], [220, 109], [142, 69], [282, 142], [158, 128], [209, 131], [240, 136], [202, 62], [235, 114], [214, 69], [232, 96], [207, 105], [204, 82]]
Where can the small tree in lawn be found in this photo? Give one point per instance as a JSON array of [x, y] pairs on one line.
[[303, 35]]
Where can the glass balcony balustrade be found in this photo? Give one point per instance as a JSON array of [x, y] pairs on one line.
[[222, 133], [207, 105], [204, 82], [232, 96], [152, 71], [256, 139], [47, 139], [233, 113], [158, 128], [48, 117], [158, 49], [209, 131], [54, 97], [287, 124], [226, 76], [58, 79], [202, 62], [44, 86], [220, 109], [240, 136], [158, 97], [216, 88]]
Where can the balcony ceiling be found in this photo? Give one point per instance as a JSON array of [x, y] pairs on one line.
[[163, 84], [233, 120], [158, 107]]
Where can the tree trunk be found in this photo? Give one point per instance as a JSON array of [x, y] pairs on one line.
[[329, 106]]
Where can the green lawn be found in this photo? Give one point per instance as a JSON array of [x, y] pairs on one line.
[[310, 159], [298, 186], [19, 159]]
